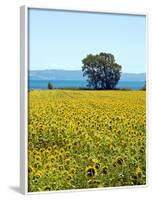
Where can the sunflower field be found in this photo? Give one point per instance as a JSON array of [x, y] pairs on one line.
[[86, 139]]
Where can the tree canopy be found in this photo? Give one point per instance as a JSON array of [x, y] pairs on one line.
[[101, 70]]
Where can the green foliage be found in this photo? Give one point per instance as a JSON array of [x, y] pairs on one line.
[[101, 70], [50, 86]]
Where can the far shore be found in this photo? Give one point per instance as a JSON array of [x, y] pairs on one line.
[[90, 89]]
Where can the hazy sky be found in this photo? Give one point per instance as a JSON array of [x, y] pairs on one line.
[[60, 40]]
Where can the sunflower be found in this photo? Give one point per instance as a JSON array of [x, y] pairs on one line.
[[37, 164], [138, 172], [30, 169], [119, 160], [97, 165], [46, 188], [62, 151], [104, 170], [72, 170], [42, 150], [69, 177], [38, 158], [61, 167], [37, 175], [67, 161], [90, 172], [56, 152], [49, 148], [47, 166], [114, 164]]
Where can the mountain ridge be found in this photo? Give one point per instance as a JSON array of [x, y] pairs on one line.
[[61, 74]]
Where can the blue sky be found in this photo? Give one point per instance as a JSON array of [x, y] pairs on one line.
[[60, 40]]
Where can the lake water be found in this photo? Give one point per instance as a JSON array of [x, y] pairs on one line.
[[43, 84]]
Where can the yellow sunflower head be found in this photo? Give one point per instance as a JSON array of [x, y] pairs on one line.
[[138, 172], [90, 171], [47, 166], [119, 160], [30, 169]]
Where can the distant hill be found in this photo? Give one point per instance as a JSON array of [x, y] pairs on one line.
[[76, 75], [56, 75], [133, 77]]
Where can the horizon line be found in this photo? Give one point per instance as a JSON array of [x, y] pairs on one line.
[[80, 70]]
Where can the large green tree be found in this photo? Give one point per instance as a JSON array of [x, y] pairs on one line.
[[101, 70]]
